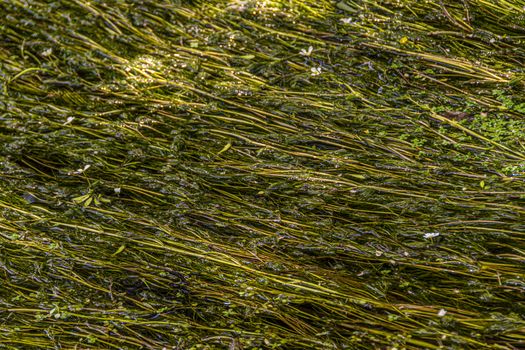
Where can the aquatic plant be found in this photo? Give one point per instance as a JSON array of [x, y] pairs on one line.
[[262, 174]]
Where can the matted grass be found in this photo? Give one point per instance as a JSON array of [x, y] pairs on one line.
[[262, 174]]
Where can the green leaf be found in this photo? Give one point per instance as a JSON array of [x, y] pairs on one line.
[[119, 250], [344, 6]]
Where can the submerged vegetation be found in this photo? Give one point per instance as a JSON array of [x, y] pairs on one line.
[[262, 174]]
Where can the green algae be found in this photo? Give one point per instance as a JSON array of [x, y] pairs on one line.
[[262, 174]]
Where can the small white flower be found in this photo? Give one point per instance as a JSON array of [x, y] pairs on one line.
[[306, 53], [69, 120], [431, 234], [346, 20], [315, 71], [47, 52], [442, 313], [80, 171], [117, 190]]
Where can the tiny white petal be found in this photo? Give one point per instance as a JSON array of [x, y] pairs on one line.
[[308, 52], [117, 190], [69, 120], [442, 312], [47, 52], [315, 70], [431, 234], [80, 171]]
